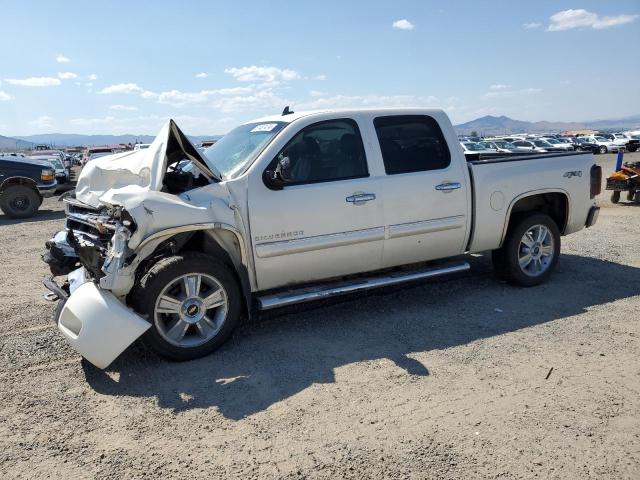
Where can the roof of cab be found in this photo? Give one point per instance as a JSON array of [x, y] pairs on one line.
[[382, 111]]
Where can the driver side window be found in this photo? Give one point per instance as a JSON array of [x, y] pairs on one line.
[[323, 152]]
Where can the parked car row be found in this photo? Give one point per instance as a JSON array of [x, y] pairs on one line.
[[529, 143]]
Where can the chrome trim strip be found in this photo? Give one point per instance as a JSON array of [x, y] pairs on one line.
[[268, 302], [320, 242], [426, 226]]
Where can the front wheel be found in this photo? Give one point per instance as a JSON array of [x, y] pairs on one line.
[[19, 201], [530, 252], [602, 149], [193, 303], [615, 197]]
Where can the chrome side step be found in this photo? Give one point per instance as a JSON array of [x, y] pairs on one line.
[[292, 297]]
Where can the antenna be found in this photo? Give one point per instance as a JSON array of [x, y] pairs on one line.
[[286, 111]]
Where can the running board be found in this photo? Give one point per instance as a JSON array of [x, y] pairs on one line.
[[292, 297]]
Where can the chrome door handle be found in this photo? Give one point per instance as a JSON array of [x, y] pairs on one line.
[[447, 187], [360, 198]]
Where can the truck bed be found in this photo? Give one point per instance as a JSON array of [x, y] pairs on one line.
[[499, 181]]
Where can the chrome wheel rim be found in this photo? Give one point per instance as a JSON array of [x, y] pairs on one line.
[[191, 310], [536, 250]]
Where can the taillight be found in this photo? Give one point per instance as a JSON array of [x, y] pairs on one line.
[[596, 180]]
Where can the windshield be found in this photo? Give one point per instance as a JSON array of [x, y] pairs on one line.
[[506, 145], [238, 148], [602, 139], [474, 147], [553, 141], [55, 162], [540, 143]]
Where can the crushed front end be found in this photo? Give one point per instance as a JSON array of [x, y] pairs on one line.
[[90, 251]]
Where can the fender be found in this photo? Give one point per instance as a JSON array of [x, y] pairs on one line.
[[531, 193], [19, 181]]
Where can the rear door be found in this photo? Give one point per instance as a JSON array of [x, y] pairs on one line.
[[425, 192]]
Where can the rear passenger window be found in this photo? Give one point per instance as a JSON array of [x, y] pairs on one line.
[[411, 143], [323, 152]]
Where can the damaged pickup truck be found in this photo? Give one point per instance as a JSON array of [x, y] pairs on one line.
[[176, 246]]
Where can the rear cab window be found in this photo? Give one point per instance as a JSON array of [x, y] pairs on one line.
[[411, 143]]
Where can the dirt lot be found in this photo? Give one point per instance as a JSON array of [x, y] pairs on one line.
[[440, 380]]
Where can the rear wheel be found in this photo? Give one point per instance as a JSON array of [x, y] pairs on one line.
[[631, 195], [192, 302], [602, 149], [530, 252], [19, 201]]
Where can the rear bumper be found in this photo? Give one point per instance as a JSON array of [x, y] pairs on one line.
[[97, 325], [592, 217]]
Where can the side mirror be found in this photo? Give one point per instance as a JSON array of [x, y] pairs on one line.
[[276, 179]]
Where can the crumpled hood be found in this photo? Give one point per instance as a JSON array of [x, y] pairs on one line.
[[140, 171]]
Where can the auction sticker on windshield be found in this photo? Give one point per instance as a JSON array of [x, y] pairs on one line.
[[265, 127]]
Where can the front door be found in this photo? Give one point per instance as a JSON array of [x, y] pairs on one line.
[[326, 221]]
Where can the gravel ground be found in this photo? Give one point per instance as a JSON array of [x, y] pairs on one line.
[[451, 379]]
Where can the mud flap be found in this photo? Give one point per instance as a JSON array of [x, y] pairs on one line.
[[98, 326]]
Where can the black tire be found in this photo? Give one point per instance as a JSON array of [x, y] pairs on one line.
[[144, 295], [631, 195], [615, 197], [602, 149], [506, 259], [19, 201]]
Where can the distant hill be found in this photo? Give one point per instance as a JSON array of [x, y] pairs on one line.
[[9, 143], [71, 139], [490, 125]]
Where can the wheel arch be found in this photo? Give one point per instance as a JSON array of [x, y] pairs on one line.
[[216, 239], [26, 181], [554, 202]]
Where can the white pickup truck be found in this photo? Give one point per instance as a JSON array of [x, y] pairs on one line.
[[177, 246]]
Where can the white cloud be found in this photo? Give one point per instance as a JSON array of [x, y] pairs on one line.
[[263, 99], [580, 18], [322, 77], [92, 77], [317, 93], [124, 108], [367, 101], [262, 74], [62, 59], [5, 97], [67, 75], [178, 98], [34, 81], [149, 95], [498, 86], [43, 121], [512, 93], [403, 24], [202, 75], [532, 25], [123, 88]]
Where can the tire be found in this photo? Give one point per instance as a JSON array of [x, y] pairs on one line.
[[631, 195], [615, 197], [185, 329], [506, 260], [19, 201], [602, 149]]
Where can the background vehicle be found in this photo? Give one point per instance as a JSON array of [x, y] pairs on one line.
[[627, 180], [141, 146], [475, 148], [337, 202], [604, 145], [524, 145], [559, 145], [23, 184]]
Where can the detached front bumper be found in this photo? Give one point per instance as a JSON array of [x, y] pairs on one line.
[[96, 324]]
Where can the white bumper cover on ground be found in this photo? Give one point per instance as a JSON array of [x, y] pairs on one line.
[[98, 326]]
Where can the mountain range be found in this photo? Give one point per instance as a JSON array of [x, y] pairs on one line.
[[487, 125], [490, 125]]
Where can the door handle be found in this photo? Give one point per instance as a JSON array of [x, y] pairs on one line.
[[448, 186], [360, 198]]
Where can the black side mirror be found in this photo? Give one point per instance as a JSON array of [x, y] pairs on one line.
[[276, 179]]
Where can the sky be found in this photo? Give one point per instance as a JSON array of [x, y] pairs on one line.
[[127, 66]]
